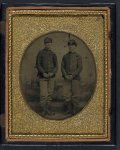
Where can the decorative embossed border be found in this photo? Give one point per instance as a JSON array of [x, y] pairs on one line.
[[37, 10]]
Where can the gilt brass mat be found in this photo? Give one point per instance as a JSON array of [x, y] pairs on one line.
[[92, 25]]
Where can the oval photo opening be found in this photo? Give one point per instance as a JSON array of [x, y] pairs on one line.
[[57, 75]]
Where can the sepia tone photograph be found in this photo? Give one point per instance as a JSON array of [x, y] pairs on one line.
[[57, 75]]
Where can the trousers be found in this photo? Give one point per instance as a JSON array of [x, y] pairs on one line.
[[46, 89], [71, 94], [71, 89]]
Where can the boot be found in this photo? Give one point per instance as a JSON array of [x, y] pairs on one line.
[[69, 107]]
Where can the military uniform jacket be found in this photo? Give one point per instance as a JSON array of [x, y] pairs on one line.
[[46, 62], [71, 65]]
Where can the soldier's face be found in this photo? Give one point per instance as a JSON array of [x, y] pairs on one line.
[[71, 48], [48, 45]]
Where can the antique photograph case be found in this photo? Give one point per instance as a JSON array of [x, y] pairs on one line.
[[58, 68], [60, 74]]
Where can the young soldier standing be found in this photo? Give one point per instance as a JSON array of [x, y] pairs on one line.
[[71, 67], [47, 66]]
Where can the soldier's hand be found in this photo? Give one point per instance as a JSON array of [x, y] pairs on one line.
[[45, 75], [69, 77], [50, 74]]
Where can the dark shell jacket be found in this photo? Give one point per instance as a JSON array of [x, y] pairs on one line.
[[71, 65], [46, 62]]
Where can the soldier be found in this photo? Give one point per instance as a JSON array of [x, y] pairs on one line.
[[71, 67], [47, 66]]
